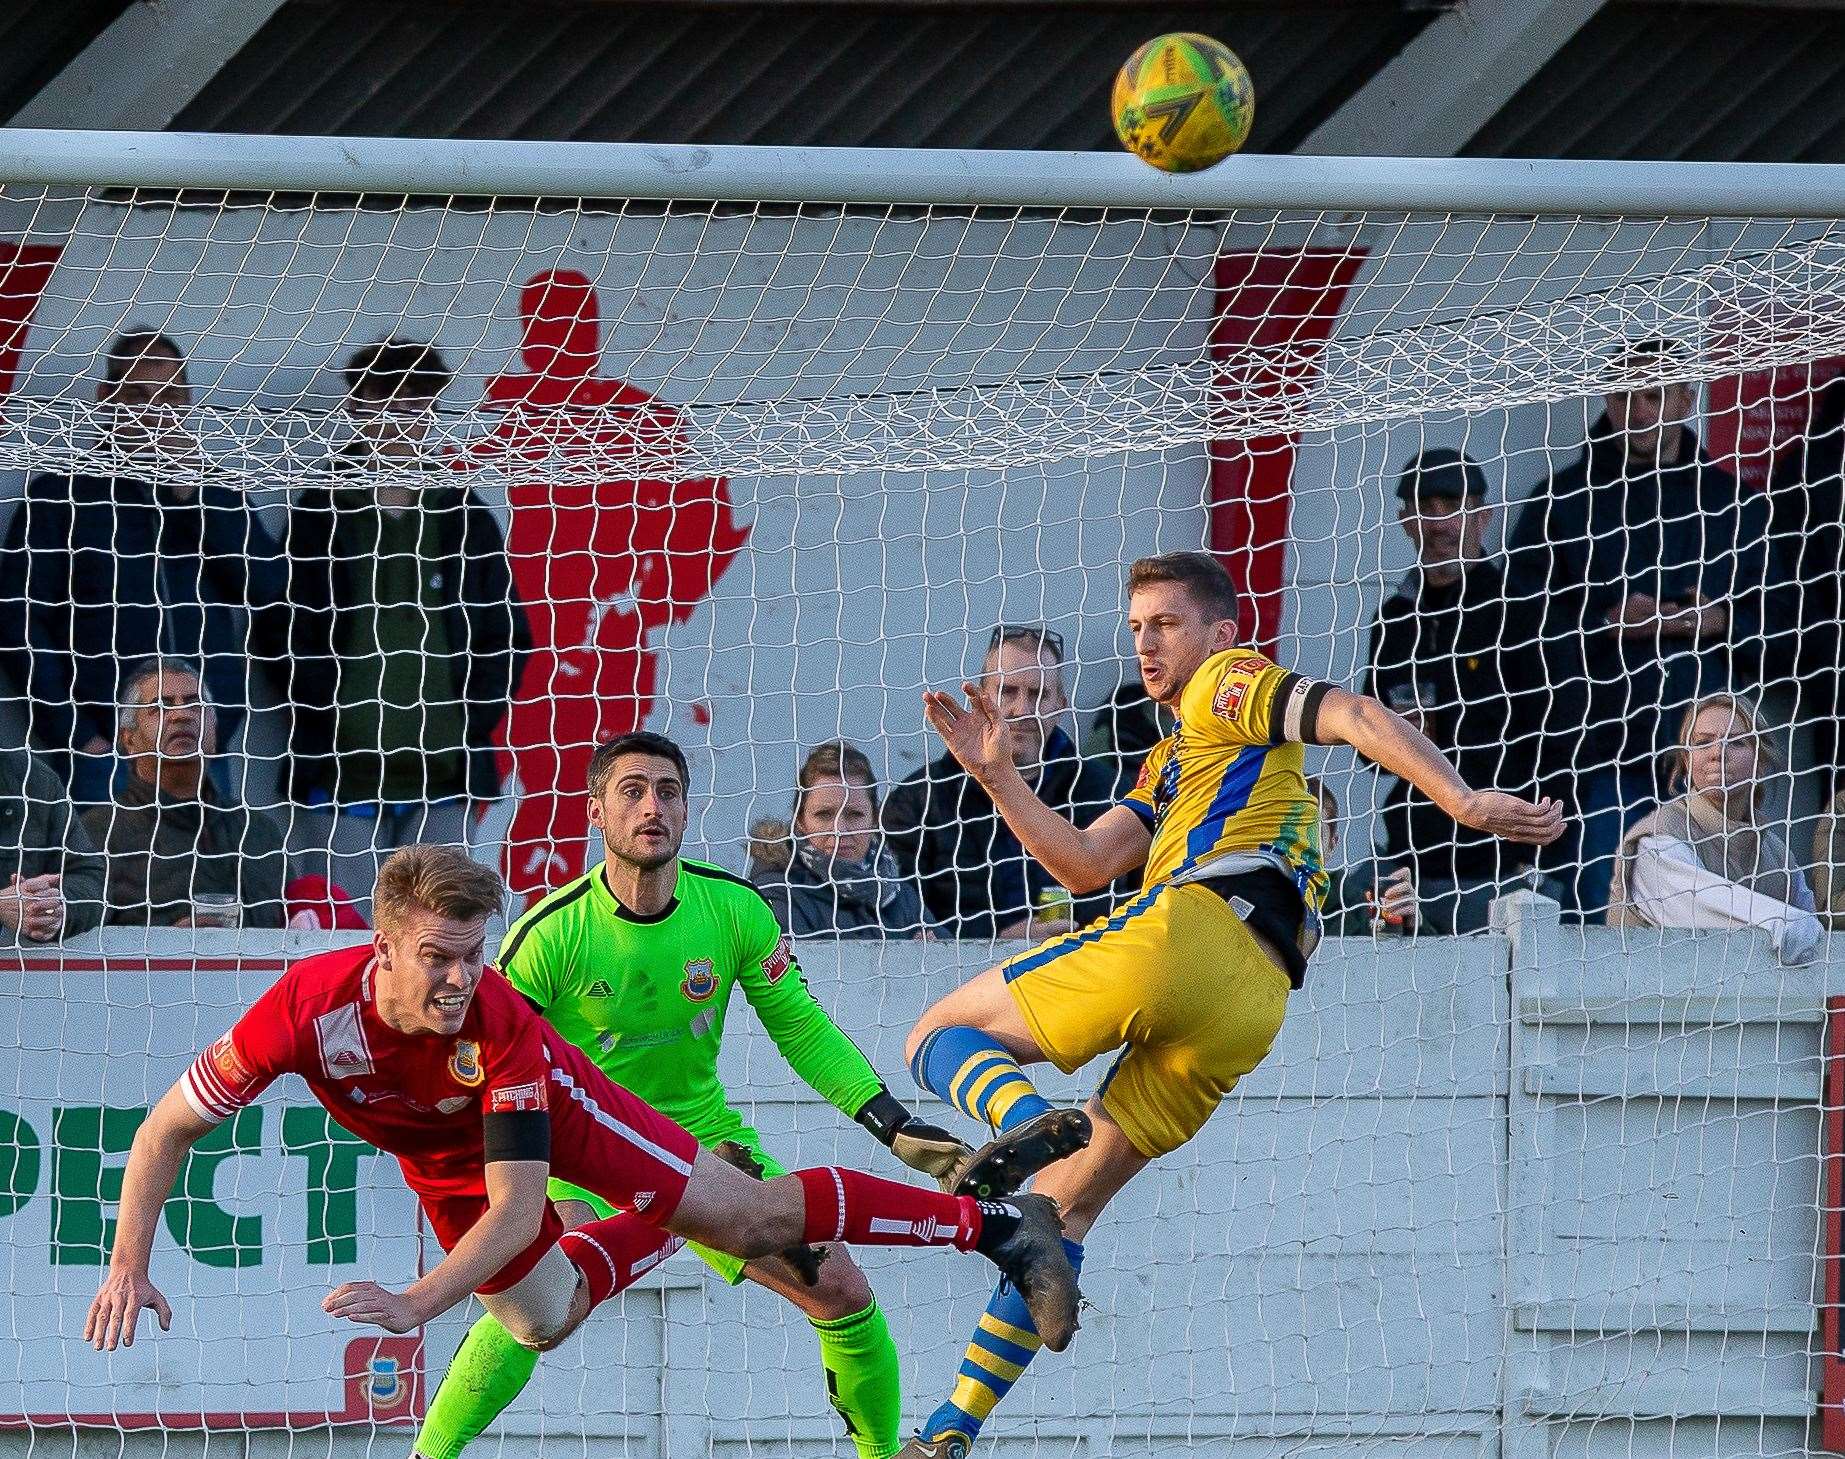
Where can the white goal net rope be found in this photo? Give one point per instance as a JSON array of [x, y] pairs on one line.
[[757, 476]]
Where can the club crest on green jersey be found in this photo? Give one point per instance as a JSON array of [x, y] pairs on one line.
[[700, 980]]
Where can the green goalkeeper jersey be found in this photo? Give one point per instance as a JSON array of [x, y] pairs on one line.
[[646, 997]]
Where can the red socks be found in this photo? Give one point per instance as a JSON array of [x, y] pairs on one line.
[[614, 1253], [850, 1206]]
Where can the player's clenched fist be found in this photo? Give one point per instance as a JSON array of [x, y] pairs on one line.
[[118, 1308], [379, 1306]]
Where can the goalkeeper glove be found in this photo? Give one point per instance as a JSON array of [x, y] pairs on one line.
[[917, 1143]]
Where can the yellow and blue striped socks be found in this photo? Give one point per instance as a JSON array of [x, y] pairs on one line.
[[1004, 1342], [966, 1067]]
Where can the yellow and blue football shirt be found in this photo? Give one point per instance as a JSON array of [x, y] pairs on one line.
[[1228, 782]]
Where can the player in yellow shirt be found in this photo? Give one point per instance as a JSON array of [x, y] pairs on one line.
[[1189, 979]]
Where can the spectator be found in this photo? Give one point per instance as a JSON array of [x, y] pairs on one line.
[[105, 571], [1644, 565], [1829, 864], [177, 855], [53, 878], [1703, 859], [976, 878], [834, 877], [1807, 515], [403, 635], [1125, 729], [1448, 655], [1359, 903]]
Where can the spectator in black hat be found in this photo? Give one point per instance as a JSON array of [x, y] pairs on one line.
[[1644, 566], [1447, 655]]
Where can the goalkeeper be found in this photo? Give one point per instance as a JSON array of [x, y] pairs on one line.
[[635, 963]]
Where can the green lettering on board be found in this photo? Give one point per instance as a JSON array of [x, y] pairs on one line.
[[333, 1155]]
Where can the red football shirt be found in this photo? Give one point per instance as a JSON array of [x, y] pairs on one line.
[[420, 1097]]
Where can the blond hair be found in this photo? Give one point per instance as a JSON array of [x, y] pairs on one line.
[[1740, 706], [443, 880]]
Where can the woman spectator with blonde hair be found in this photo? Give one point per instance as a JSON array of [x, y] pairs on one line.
[[829, 874], [1704, 859]]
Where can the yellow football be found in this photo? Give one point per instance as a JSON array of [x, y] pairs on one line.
[[1183, 102]]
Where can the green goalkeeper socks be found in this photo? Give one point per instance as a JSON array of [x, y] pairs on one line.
[[862, 1379], [490, 1370], [488, 1373]]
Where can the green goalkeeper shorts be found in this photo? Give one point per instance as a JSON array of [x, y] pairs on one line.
[[729, 1267]]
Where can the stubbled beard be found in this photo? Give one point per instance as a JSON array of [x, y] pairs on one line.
[[646, 863]]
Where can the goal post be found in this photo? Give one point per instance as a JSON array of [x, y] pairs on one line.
[[772, 440]]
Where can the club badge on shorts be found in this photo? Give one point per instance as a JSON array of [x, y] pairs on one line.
[[464, 1063], [700, 980]]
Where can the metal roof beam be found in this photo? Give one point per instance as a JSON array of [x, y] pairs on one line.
[[1433, 96], [140, 72]]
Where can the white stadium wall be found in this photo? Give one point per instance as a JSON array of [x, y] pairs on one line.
[[1538, 1193]]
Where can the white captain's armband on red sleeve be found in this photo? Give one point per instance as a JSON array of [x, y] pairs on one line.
[[220, 1083]]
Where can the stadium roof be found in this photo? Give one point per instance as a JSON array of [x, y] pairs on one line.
[[1578, 78]]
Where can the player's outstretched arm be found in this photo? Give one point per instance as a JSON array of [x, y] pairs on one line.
[[1084, 859], [159, 1149], [515, 1211], [1383, 736]]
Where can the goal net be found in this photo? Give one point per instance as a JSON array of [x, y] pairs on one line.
[[1522, 1173]]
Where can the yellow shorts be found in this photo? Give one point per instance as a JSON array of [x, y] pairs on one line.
[[1176, 981]]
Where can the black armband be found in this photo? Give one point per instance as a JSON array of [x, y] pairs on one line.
[[1294, 715], [516, 1135], [883, 1115]]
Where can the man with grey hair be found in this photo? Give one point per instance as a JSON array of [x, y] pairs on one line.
[[977, 880], [177, 854], [152, 557]]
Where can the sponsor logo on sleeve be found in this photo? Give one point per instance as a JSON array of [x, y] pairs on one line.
[[510, 1099], [1146, 774], [701, 981], [229, 1064], [777, 963], [464, 1064], [1229, 701], [1248, 664]]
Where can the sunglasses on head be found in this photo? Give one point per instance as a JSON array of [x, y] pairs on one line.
[[1036, 634]]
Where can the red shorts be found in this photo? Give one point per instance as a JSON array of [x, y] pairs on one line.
[[602, 1138], [452, 1217]]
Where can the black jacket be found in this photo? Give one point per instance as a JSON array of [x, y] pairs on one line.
[[40, 834], [485, 622], [1457, 650], [976, 877], [101, 572], [1601, 530]]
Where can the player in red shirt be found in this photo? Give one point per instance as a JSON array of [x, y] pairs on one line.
[[414, 1044]]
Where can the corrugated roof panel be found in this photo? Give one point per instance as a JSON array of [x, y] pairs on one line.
[[978, 75], [39, 38], [1698, 82]]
